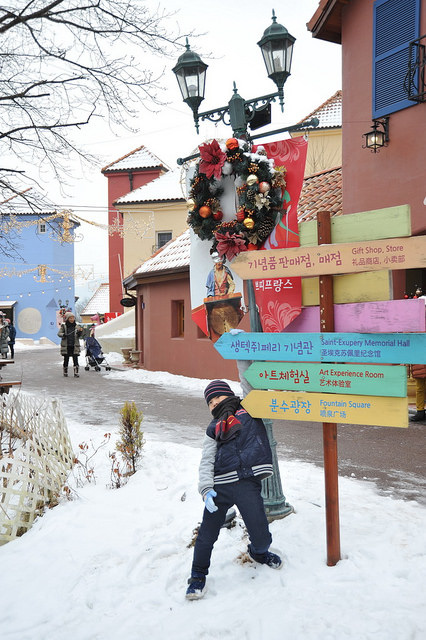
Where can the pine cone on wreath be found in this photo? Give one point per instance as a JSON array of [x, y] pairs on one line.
[[265, 228]]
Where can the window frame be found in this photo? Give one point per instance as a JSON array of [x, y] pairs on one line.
[[396, 105]]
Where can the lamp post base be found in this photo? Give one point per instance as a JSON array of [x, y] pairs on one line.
[[276, 506]]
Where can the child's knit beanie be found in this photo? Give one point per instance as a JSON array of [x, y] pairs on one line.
[[217, 388]]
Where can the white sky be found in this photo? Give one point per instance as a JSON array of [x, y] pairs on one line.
[[113, 564], [232, 30]]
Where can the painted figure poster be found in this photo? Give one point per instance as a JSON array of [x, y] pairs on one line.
[[240, 199]]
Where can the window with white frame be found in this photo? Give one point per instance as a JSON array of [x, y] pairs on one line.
[[41, 226]]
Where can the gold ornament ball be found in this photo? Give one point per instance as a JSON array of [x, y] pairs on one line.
[[264, 187], [252, 179], [248, 223], [191, 204]]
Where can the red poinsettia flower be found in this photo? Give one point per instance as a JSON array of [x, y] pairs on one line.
[[230, 244], [212, 159]]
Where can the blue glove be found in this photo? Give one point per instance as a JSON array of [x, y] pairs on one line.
[[209, 502], [235, 332]]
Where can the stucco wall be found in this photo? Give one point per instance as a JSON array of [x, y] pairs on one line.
[[140, 228], [189, 355], [395, 175]]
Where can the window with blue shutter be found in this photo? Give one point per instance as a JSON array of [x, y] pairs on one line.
[[396, 23]]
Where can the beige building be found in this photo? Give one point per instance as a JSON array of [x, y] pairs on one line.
[[324, 141], [152, 215]]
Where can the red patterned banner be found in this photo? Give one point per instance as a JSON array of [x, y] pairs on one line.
[[280, 299]]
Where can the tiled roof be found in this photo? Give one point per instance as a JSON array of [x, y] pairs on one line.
[[99, 302], [321, 192], [140, 158], [329, 113], [173, 255], [165, 187]]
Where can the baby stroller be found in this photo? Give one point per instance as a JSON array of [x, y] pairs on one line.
[[94, 355]]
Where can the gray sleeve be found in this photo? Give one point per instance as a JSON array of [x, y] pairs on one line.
[[243, 365], [206, 469]]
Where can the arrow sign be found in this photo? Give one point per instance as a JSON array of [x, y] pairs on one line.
[[357, 379], [375, 348], [318, 407], [326, 259]]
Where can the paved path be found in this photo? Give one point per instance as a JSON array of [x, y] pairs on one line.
[[393, 458]]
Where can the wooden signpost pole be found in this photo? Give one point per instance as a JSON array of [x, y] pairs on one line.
[[331, 476]]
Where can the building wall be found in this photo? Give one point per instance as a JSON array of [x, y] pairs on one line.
[[140, 225], [37, 303], [190, 355], [395, 175], [324, 150], [119, 184]]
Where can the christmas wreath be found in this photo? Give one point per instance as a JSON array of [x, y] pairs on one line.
[[259, 190]]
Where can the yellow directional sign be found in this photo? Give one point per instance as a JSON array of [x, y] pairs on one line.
[[319, 407], [326, 259]]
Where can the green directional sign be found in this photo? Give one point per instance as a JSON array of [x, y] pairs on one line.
[[357, 379], [375, 348]]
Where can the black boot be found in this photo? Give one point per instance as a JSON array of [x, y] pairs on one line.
[[419, 416], [66, 372], [76, 372]]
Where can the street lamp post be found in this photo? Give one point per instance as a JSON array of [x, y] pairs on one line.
[[276, 45]]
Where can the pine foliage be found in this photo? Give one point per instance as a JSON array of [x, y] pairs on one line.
[[131, 439]]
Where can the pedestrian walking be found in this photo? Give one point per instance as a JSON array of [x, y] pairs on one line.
[[418, 372], [4, 336], [236, 457], [70, 333], [12, 336]]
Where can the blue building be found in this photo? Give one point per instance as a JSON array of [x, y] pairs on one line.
[[36, 270]]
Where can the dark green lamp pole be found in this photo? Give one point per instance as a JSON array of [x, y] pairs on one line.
[[277, 50]]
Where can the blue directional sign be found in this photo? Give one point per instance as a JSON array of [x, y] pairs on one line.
[[397, 348]]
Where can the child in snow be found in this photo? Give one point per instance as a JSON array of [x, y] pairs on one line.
[[236, 456]]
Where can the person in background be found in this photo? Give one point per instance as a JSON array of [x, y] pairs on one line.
[[70, 334], [418, 372], [4, 336], [12, 336]]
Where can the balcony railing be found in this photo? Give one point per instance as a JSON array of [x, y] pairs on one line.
[[415, 80]]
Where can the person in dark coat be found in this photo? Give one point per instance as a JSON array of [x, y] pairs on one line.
[[70, 333], [236, 457], [12, 336]]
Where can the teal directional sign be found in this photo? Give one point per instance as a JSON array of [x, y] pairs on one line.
[[358, 379], [375, 348]]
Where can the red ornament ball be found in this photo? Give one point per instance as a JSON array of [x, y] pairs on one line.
[[205, 211], [217, 215], [241, 214], [251, 246], [264, 187]]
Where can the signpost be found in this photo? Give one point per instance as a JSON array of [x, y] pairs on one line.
[[358, 247], [357, 379], [376, 348], [395, 253]]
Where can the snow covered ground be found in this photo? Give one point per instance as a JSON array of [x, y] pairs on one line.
[[113, 564]]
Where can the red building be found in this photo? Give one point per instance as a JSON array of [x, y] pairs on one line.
[[125, 174], [381, 89]]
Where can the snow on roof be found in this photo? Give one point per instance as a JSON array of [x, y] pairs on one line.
[[140, 158], [99, 302], [165, 187], [173, 255], [329, 113]]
